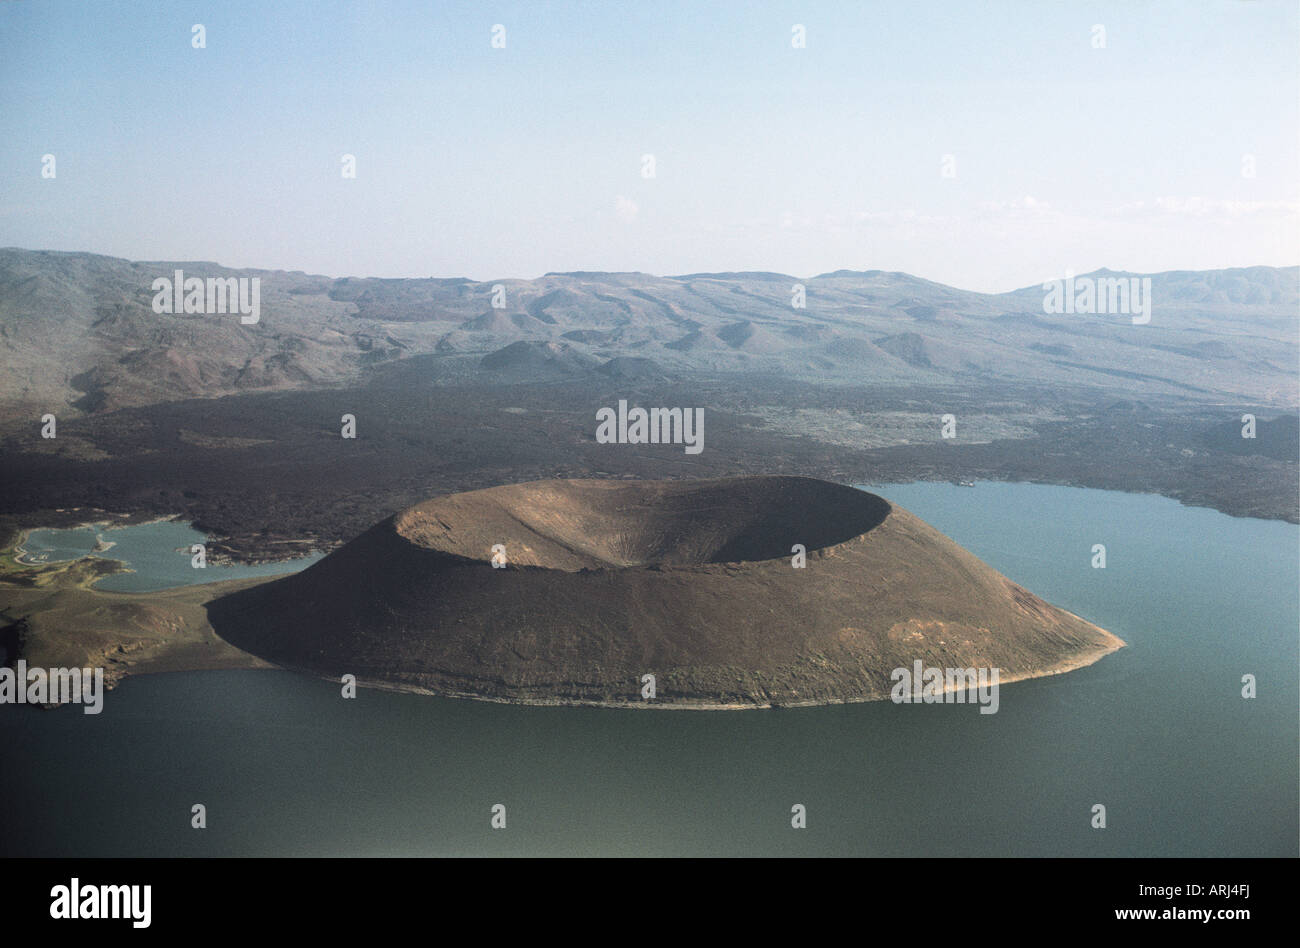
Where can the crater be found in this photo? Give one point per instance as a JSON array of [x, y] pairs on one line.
[[571, 592], [574, 525]]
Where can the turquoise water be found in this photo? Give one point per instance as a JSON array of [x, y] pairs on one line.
[[157, 553], [1157, 732]]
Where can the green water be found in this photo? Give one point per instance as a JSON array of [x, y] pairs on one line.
[[1157, 732], [158, 554]]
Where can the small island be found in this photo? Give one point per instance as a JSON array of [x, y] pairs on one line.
[[738, 592]]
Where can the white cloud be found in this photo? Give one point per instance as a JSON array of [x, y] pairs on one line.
[[626, 208], [1203, 208]]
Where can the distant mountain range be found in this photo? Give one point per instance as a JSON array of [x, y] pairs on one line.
[[78, 333]]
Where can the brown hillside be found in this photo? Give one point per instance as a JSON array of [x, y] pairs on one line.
[[691, 581]]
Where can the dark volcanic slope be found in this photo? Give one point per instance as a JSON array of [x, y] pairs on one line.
[[691, 581]]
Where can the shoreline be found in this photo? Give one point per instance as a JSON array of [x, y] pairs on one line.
[[107, 520], [1290, 516], [16, 549], [245, 661], [200, 648], [124, 652], [1062, 668], [264, 554]]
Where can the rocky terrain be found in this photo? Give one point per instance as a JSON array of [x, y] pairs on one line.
[[53, 617], [78, 334], [237, 427]]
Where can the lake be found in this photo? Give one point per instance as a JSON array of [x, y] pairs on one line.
[[158, 553], [1157, 732]]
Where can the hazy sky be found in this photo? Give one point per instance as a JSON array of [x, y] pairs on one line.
[[487, 163]]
